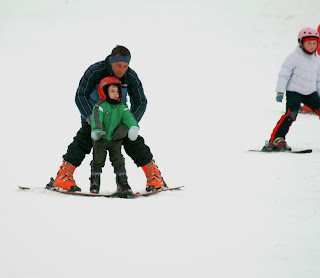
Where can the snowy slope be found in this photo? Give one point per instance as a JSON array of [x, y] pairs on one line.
[[209, 70]]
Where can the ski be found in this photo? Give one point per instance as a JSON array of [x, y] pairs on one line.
[[88, 194], [298, 151], [116, 194], [145, 194]]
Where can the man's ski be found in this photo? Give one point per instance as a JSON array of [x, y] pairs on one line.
[[138, 194], [116, 194], [298, 151]]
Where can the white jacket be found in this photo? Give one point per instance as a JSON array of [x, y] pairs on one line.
[[300, 73]]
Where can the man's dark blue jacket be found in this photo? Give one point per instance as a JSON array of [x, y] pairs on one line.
[[87, 93]]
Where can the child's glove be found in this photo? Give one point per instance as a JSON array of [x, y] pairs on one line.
[[279, 97], [120, 132], [133, 133], [97, 134]]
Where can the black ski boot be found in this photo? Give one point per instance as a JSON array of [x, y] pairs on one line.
[[276, 145], [123, 187], [95, 184]]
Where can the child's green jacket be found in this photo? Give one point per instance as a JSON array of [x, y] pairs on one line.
[[106, 117]]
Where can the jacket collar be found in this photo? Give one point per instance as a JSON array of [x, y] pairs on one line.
[[301, 52]]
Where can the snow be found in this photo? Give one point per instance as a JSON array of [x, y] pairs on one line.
[[209, 69]]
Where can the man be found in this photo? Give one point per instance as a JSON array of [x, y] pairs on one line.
[[117, 65]]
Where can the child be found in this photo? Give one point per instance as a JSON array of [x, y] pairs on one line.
[[299, 77], [319, 41], [107, 114]]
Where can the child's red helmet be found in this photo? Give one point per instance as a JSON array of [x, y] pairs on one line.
[[105, 83]]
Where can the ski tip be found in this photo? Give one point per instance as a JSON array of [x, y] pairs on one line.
[[304, 151], [23, 187]]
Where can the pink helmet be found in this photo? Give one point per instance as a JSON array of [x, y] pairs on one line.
[[307, 33]]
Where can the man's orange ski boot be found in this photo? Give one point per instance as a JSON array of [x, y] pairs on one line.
[[64, 179], [154, 180]]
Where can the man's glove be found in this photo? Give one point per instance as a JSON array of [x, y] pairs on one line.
[[88, 120], [279, 97], [133, 133], [120, 132], [97, 134]]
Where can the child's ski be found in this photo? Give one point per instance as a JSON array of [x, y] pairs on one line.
[[298, 151]]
